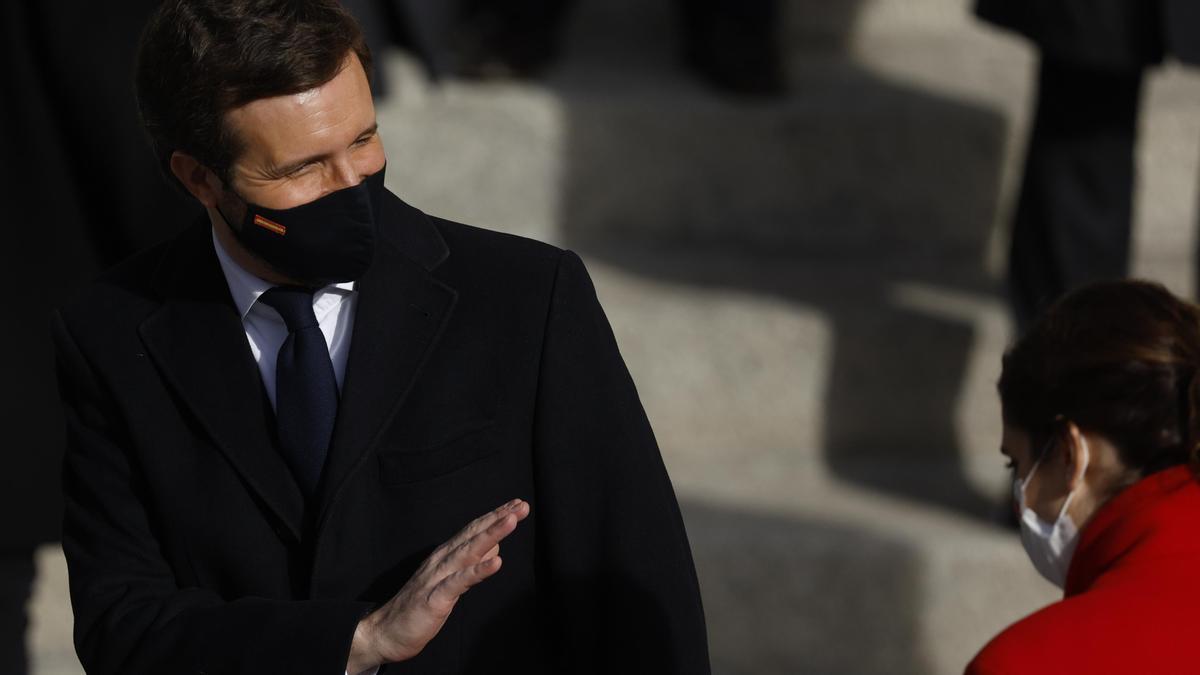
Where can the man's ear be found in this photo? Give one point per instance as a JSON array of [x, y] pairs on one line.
[[196, 178]]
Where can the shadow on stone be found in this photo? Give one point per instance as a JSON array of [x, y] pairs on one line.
[[787, 595], [782, 595], [828, 199]]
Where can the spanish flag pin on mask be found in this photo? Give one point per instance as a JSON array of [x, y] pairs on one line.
[[328, 240]]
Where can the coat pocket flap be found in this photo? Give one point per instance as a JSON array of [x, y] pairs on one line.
[[467, 446]]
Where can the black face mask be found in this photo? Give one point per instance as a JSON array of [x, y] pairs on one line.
[[328, 240]]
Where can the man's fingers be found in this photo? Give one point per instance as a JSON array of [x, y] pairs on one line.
[[485, 541], [452, 587], [516, 506], [478, 545], [481, 524], [486, 520], [472, 551], [492, 553]]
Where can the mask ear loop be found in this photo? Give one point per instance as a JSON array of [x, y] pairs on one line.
[[1046, 447], [234, 225], [229, 223], [1024, 482], [1045, 450], [227, 188]]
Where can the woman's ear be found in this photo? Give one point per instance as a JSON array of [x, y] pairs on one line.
[[1076, 449], [196, 178]]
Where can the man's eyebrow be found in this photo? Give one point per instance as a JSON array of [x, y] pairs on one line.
[[293, 166], [369, 131]]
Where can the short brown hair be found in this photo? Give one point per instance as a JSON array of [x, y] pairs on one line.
[[199, 59], [1119, 358]]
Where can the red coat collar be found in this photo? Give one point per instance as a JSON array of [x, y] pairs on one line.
[[1142, 521]]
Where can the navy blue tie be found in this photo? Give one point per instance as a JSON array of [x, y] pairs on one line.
[[306, 394]]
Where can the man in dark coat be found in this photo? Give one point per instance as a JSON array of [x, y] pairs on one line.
[[1073, 218], [85, 194], [71, 118], [279, 419]]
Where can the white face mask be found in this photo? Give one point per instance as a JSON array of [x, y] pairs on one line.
[[1049, 545]]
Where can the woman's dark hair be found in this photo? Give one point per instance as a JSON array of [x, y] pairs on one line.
[[199, 59], [1117, 358]]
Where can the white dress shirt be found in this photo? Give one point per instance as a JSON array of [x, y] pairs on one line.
[[265, 330]]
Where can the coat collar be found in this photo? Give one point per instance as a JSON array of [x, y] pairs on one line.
[[402, 311], [197, 340], [1152, 517]]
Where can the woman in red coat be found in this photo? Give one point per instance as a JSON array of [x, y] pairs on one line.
[[1101, 405]]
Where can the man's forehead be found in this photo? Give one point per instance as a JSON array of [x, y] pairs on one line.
[[280, 126], [305, 98]]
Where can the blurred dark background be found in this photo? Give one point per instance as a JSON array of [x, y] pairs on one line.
[[798, 214]]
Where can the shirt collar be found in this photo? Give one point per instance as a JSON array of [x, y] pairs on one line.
[[246, 287]]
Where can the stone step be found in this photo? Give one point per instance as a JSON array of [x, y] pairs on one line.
[[905, 145], [852, 584]]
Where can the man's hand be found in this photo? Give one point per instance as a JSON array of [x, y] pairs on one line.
[[400, 629]]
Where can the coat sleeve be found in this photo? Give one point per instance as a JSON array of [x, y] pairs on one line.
[[131, 617], [611, 541]]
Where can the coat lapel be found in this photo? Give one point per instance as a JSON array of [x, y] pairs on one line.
[[197, 340], [401, 312]]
